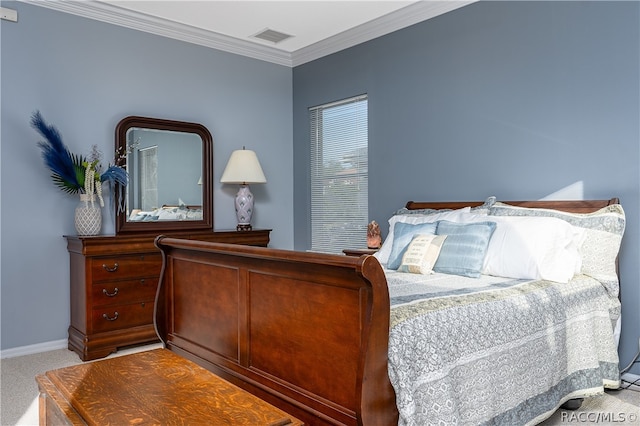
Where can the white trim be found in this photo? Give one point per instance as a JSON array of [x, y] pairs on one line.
[[394, 21], [410, 15], [34, 349], [139, 21]]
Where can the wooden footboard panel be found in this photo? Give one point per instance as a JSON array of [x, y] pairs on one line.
[[306, 332]]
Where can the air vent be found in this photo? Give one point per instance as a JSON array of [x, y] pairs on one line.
[[272, 36]]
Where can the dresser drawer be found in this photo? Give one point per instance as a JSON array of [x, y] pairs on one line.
[[108, 318], [126, 266], [123, 292]]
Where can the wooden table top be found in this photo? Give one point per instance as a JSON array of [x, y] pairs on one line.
[[156, 387]]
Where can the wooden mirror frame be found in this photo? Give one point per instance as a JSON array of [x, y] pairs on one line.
[[123, 226]]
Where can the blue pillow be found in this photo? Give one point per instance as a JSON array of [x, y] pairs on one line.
[[403, 233], [465, 248]]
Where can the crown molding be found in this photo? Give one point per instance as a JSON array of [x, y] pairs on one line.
[[401, 18], [111, 14]]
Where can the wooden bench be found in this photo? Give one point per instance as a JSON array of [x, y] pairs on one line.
[[155, 387]]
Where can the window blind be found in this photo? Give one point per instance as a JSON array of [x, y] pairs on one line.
[[148, 164], [339, 175]]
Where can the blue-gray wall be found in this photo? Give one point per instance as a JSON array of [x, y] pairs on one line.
[[513, 99], [521, 100], [85, 76]]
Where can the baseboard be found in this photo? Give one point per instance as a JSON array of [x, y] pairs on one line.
[[34, 349], [631, 378]]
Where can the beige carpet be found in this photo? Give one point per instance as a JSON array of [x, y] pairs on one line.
[[615, 407], [19, 391], [19, 394]]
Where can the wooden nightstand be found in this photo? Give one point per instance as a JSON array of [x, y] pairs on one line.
[[359, 252]]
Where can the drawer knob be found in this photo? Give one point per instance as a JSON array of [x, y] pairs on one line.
[[106, 293], [108, 269], [108, 318]]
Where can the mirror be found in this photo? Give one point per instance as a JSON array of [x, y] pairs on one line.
[[170, 168]]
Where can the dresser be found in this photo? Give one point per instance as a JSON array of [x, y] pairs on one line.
[[113, 287]]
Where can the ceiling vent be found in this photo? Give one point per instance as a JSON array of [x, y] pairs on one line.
[[272, 36]]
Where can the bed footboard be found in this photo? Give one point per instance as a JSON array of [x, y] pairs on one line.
[[306, 332]]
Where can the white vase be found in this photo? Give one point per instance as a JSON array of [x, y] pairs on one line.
[[88, 217]]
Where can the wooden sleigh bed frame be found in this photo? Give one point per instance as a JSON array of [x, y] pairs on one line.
[[306, 332]]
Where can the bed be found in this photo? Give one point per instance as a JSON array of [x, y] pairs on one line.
[[345, 340]]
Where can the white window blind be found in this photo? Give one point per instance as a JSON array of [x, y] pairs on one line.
[[339, 175], [148, 160]]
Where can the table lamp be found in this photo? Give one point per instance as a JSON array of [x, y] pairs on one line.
[[243, 168]]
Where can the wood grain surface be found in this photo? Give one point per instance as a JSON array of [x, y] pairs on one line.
[[156, 387]]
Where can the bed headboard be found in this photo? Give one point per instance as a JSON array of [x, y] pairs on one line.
[[573, 206]]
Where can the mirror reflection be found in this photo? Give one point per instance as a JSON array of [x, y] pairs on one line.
[[170, 176], [165, 180]]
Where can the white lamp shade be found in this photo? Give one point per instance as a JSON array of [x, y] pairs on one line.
[[243, 167]]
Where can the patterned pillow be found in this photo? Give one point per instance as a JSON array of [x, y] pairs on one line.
[[402, 235], [481, 209], [484, 208], [405, 210], [603, 230], [422, 254], [465, 248]]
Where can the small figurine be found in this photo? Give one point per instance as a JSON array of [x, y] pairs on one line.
[[374, 240]]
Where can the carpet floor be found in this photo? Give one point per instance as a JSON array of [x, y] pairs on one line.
[[615, 407], [19, 393]]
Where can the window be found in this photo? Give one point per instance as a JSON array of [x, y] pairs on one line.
[[149, 178], [339, 175]]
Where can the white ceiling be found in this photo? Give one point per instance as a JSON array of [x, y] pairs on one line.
[[307, 21], [317, 27]]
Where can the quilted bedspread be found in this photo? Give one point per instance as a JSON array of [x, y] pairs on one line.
[[466, 351]]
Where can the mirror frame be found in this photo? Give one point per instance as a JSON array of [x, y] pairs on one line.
[[127, 227]]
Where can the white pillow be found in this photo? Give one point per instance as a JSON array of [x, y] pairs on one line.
[[458, 215], [533, 248], [422, 253]]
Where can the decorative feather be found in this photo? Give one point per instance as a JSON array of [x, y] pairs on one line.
[[66, 168], [70, 172], [115, 176]]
